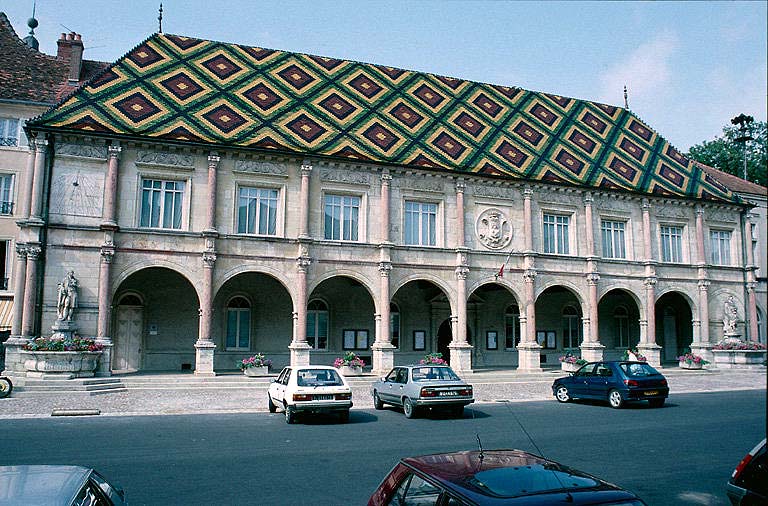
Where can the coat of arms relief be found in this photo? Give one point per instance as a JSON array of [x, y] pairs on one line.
[[493, 229]]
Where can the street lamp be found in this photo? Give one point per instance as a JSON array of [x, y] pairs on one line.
[[743, 121]]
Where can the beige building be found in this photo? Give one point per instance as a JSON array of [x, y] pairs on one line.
[[217, 200]]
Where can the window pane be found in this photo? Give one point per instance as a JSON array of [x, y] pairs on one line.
[[312, 328], [231, 328], [322, 330], [245, 319]]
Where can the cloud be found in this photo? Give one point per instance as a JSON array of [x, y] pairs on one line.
[[644, 71]]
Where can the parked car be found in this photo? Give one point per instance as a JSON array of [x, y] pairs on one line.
[[57, 486], [616, 382], [416, 387], [495, 477], [748, 485], [310, 389]]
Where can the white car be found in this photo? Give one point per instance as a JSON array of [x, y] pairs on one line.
[[310, 389]]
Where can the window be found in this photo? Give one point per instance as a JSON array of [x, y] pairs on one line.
[[621, 326], [6, 193], [394, 325], [355, 340], [420, 220], [161, 203], [317, 325], [613, 239], [571, 327], [11, 133], [5, 263], [671, 244], [341, 217], [257, 211], [415, 491], [511, 327], [721, 247], [238, 324], [556, 234]]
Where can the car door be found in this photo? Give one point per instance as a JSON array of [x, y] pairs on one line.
[[579, 384], [393, 385], [277, 389], [602, 381]]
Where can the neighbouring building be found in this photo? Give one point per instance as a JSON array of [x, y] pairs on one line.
[[30, 83], [216, 200]]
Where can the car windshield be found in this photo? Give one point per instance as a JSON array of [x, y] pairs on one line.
[[427, 373], [526, 480], [318, 378], [636, 369]]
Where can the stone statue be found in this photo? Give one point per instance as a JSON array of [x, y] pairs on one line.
[[730, 317], [66, 301]]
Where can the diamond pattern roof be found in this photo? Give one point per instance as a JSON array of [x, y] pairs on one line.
[[191, 90]]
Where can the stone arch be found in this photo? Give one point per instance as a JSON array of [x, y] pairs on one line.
[[639, 301], [365, 281], [690, 299], [132, 268], [674, 323], [444, 286], [568, 285], [490, 281], [227, 275], [617, 331]]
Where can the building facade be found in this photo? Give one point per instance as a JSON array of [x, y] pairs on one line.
[[217, 200]]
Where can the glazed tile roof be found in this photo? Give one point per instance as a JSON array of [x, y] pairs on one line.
[[31, 76], [191, 90]]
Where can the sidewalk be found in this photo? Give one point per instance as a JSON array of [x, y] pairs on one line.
[[169, 394]]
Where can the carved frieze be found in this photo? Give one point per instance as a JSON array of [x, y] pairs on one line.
[[420, 183], [256, 167], [558, 197], [722, 216], [82, 151], [165, 159], [344, 176], [496, 192], [671, 211]]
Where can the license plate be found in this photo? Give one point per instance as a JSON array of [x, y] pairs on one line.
[[448, 393], [651, 392], [323, 397]]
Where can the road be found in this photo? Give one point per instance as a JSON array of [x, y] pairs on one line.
[[681, 454]]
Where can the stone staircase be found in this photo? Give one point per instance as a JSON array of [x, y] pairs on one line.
[[89, 386]]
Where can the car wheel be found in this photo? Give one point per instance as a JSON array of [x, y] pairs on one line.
[[656, 403], [344, 416], [614, 399], [272, 407], [377, 404], [290, 414], [408, 408], [5, 387], [561, 394]]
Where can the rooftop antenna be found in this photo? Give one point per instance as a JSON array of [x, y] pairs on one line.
[[626, 102], [160, 18], [32, 23]]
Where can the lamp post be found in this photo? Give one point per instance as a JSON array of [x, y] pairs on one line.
[[743, 121]]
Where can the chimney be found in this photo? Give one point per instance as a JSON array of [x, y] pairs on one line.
[[70, 48]]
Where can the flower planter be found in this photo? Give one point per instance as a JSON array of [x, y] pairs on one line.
[[690, 365], [569, 367], [256, 371], [739, 359], [351, 371], [60, 364]]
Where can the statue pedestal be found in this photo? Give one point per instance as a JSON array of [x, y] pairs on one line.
[[63, 329]]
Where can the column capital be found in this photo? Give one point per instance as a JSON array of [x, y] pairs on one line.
[[21, 251], [385, 268], [213, 160], [306, 168], [40, 145], [751, 286], [703, 285], [34, 252], [107, 254], [209, 259], [31, 141], [527, 193], [529, 276], [593, 278], [588, 198], [461, 186], [114, 150], [646, 205], [303, 263], [462, 272], [699, 209], [650, 282], [386, 179]]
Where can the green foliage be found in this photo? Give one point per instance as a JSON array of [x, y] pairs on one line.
[[727, 155]]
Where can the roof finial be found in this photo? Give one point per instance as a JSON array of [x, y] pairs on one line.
[[160, 18], [32, 23], [626, 102]]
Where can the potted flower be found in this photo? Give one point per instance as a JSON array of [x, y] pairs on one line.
[[690, 360], [257, 365], [633, 355], [731, 353], [350, 364], [433, 358], [61, 357], [570, 362]]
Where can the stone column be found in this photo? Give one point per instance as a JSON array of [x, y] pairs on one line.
[[702, 345], [306, 170], [383, 350], [36, 209], [589, 226], [751, 323], [30, 292], [25, 198], [460, 237], [14, 343], [299, 347], [591, 349], [213, 163], [205, 347], [110, 192], [460, 349], [528, 221], [105, 310], [648, 346], [386, 180], [529, 351]]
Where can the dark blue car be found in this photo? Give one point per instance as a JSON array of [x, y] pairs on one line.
[[615, 382]]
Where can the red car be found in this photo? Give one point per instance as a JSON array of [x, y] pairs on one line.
[[493, 477]]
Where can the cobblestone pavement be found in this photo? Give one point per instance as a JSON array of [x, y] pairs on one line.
[[166, 394]]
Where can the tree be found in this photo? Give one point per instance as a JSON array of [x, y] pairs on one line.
[[726, 154]]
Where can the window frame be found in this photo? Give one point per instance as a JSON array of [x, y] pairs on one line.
[[620, 324], [316, 337], [558, 236], [183, 207], [7, 201], [435, 215], [277, 225], [568, 332], [611, 232], [717, 254], [20, 138], [394, 311], [238, 311], [682, 252], [515, 327], [359, 229]]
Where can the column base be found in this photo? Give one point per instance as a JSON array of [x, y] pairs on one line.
[[529, 357], [704, 350], [104, 369], [299, 353], [204, 358], [461, 358], [592, 352], [651, 352], [383, 358], [14, 365]]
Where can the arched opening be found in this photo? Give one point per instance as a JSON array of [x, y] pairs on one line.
[[445, 337], [674, 327], [618, 321], [493, 314], [424, 321], [558, 322]]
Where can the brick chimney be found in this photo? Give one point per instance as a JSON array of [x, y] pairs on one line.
[[71, 49]]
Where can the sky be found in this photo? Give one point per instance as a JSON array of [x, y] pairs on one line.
[[689, 67]]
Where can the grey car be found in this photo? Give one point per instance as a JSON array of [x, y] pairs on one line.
[[421, 386], [56, 486]]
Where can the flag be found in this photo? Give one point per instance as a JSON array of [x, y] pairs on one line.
[[500, 274]]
